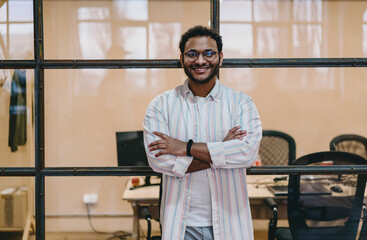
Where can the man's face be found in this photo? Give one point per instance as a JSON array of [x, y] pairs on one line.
[[201, 70]]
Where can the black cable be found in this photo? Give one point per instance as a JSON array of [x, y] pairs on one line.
[[145, 212], [116, 235], [149, 229]]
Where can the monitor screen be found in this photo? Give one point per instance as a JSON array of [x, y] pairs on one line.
[[130, 149]]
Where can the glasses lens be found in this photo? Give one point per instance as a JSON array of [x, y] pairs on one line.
[[209, 55], [192, 55]]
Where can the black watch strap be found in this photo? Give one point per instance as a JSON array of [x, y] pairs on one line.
[[188, 147]]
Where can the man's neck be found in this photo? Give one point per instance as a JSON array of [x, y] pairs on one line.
[[201, 90]]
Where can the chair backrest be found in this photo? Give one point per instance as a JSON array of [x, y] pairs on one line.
[[277, 148], [326, 215], [350, 143]]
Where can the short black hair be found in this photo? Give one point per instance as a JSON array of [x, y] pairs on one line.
[[200, 31]]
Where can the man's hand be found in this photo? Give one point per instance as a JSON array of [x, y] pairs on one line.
[[235, 133], [167, 145], [170, 145]]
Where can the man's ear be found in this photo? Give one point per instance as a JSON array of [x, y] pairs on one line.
[[181, 59], [221, 58]]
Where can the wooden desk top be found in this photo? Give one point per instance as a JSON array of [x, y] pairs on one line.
[[256, 186], [142, 193]]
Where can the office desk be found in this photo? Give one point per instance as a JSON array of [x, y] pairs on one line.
[[147, 196], [257, 189]]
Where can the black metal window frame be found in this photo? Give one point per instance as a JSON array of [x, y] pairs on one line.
[[39, 64]]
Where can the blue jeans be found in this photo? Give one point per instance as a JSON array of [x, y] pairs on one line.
[[199, 233]]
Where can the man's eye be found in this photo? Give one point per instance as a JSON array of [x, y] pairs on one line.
[[192, 54], [209, 53]]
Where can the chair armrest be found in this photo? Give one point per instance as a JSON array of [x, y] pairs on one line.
[[273, 221], [271, 203], [363, 232]]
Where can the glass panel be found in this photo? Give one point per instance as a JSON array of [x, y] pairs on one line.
[[112, 212], [17, 118], [293, 29], [306, 102], [21, 11], [123, 29], [3, 12], [3, 41], [16, 30], [85, 108], [17, 206], [21, 41]]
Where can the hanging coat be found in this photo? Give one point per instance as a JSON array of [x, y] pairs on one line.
[[18, 110]]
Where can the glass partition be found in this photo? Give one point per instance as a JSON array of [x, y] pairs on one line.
[[313, 105], [17, 118], [85, 108], [123, 29], [293, 29], [17, 207], [109, 212], [16, 30]]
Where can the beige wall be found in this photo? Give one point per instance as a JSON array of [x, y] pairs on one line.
[[84, 108]]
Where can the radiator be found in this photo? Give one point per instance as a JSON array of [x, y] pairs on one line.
[[13, 207]]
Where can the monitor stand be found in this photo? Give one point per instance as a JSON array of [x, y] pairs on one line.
[[147, 183]]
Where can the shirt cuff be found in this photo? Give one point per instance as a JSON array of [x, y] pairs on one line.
[[181, 165], [216, 151]]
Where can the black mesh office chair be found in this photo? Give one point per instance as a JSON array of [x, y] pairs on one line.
[[350, 143], [323, 214], [144, 211], [277, 148]]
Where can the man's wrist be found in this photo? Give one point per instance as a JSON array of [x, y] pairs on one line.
[[188, 147]]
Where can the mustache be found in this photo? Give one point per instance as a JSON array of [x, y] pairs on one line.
[[209, 65]]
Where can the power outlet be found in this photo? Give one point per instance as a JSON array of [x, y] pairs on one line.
[[90, 198]]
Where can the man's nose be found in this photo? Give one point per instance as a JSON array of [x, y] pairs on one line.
[[200, 59]]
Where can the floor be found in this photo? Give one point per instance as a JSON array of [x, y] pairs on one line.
[[80, 236], [260, 227], [89, 236], [96, 236]]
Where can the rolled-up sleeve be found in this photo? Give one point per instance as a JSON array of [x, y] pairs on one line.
[[239, 153], [156, 120]]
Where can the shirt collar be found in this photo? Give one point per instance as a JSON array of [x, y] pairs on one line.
[[214, 94]]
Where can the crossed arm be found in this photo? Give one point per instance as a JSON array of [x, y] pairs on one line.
[[200, 152]]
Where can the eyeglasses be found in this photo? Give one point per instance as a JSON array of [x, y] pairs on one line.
[[207, 55]]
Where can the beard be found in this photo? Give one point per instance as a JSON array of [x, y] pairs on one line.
[[214, 72]]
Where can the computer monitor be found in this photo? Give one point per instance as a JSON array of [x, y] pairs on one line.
[[131, 151]]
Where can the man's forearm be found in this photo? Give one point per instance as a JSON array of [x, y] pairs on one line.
[[197, 165], [201, 151]]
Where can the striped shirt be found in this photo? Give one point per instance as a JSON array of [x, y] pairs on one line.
[[176, 114]]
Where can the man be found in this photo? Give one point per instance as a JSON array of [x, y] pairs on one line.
[[202, 136]]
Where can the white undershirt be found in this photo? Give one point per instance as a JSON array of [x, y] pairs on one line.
[[200, 210]]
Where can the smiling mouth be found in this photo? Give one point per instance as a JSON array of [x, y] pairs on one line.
[[200, 69]]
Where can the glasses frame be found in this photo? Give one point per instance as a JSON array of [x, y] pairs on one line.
[[202, 54]]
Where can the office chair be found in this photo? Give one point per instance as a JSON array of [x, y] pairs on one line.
[[323, 215], [350, 143], [277, 148], [144, 211]]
